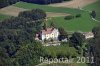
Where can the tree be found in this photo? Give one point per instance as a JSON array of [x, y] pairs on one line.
[[35, 14], [17, 44], [4, 58], [95, 46], [45, 26], [93, 14], [52, 24], [96, 31], [77, 39], [63, 34], [4, 3], [29, 54], [44, 1]]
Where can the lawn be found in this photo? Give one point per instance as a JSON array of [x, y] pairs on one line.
[[3, 17], [95, 6]]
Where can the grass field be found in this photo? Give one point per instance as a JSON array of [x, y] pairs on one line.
[[48, 8], [84, 23], [73, 3], [3, 17], [95, 6]]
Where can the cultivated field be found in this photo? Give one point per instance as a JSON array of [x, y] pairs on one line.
[[11, 10], [14, 11], [74, 3], [48, 8], [51, 14]]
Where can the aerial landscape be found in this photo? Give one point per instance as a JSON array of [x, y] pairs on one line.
[[49, 33]]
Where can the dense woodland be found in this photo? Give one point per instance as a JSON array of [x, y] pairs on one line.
[[95, 46], [17, 44], [4, 3], [44, 1]]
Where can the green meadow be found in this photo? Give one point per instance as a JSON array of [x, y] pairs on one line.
[[95, 6], [48, 8], [3, 17], [84, 23]]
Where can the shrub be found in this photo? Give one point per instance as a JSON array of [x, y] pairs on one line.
[[69, 17], [78, 15]]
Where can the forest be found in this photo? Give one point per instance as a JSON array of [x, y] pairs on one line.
[[4, 3], [44, 1]]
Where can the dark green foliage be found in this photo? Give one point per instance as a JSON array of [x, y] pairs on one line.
[[52, 25], [29, 54], [93, 14], [4, 3], [63, 34], [45, 26], [78, 15], [35, 14], [77, 39], [69, 17], [96, 32], [44, 1], [60, 51], [72, 17], [94, 45], [17, 44]]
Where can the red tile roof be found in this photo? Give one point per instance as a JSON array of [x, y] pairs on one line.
[[47, 31]]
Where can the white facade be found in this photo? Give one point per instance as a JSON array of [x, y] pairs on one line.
[[52, 34], [88, 35]]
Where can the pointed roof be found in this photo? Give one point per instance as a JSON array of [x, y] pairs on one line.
[[47, 31]]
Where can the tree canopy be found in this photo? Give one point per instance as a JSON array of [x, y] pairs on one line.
[[95, 46], [4, 3], [44, 1], [17, 44], [35, 14]]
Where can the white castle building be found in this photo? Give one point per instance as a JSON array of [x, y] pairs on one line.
[[48, 33]]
